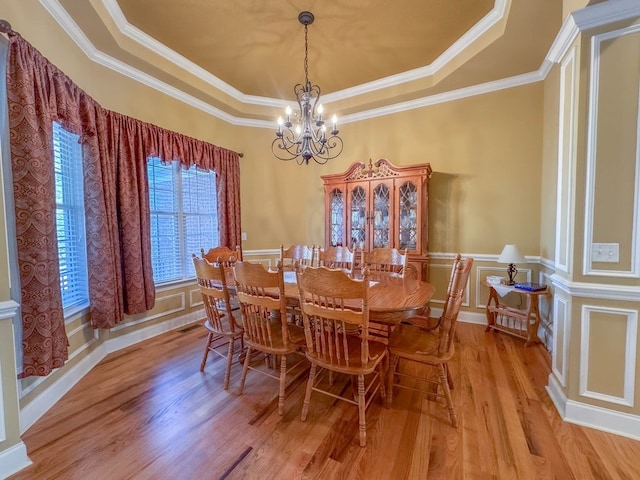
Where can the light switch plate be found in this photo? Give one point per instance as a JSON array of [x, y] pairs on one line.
[[605, 252], [244, 235]]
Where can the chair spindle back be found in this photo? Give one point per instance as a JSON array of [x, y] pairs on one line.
[[334, 307], [215, 293], [455, 294], [261, 296]]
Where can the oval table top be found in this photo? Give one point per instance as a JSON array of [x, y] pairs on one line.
[[389, 302]]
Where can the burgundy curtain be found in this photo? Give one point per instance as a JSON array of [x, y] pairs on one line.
[[30, 119], [227, 167], [115, 150]]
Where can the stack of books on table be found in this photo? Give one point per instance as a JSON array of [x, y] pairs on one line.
[[531, 287]]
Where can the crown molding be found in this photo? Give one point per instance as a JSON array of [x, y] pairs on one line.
[[589, 17], [472, 35], [563, 41], [77, 35], [55, 9], [138, 36], [452, 95], [457, 48], [605, 13]]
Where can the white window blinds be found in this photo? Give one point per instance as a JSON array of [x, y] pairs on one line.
[[70, 227], [184, 218]]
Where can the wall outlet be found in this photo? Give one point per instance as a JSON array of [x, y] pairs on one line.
[[244, 236], [605, 252]]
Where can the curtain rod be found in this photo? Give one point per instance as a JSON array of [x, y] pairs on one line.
[[5, 27]]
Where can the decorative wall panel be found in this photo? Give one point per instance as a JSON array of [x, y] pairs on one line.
[[566, 163], [612, 201], [608, 347]]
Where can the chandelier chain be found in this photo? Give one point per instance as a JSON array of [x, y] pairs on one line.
[[306, 57]]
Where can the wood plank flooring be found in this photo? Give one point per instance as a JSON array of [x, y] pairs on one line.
[[147, 412]]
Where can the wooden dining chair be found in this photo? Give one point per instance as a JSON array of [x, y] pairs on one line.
[[227, 257], [263, 308], [223, 254], [220, 323], [432, 346], [337, 257], [336, 325], [385, 263], [303, 255]]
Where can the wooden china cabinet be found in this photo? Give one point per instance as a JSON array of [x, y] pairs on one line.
[[379, 205]]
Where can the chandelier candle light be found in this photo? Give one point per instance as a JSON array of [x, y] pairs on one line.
[[308, 139]]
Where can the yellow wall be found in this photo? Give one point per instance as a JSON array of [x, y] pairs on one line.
[[485, 152]]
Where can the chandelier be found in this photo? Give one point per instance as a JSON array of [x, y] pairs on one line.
[[308, 139]]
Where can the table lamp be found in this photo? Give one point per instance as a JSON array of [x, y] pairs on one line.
[[511, 255]]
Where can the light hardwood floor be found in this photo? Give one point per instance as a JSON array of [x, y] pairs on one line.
[[147, 412]]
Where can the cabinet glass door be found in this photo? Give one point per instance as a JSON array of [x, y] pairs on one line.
[[358, 217], [381, 209], [408, 217], [336, 225]]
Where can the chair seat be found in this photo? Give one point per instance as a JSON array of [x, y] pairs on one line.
[[425, 323], [226, 329], [277, 346], [415, 343], [352, 365]]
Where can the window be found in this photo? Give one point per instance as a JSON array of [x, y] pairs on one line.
[[184, 218], [72, 250]]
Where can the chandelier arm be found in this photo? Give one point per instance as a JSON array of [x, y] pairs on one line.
[[329, 153], [281, 151]]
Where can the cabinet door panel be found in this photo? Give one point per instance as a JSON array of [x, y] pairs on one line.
[[357, 216], [381, 216], [336, 209], [408, 219]]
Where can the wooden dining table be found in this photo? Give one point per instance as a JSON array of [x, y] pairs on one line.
[[390, 302]]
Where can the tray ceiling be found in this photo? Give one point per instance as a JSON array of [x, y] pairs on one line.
[[244, 57]]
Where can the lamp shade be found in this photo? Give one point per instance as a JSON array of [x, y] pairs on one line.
[[511, 254]]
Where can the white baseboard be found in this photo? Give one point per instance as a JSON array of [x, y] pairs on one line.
[[472, 317], [558, 397], [118, 343], [464, 317], [13, 459], [611, 421], [603, 419], [43, 402]]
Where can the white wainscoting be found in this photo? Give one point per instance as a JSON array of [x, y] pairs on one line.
[[562, 329], [566, 163], [630, 317]]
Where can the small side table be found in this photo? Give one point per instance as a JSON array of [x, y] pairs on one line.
[[522, 323]]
